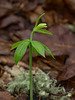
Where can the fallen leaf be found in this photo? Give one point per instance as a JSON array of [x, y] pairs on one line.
[[5, 48], [7, 60], [68, 72], [4, 7], [12, 19], [70, 4], [5, 96]]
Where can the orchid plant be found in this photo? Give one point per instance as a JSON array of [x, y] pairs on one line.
[[35, 46]]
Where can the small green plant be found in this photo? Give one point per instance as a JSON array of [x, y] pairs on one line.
[[35, 46]]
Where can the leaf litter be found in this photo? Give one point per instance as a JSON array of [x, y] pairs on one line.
[[62, 43]]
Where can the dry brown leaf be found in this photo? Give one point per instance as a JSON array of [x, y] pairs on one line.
[[21, 35], [11, 19], [5, 96], [54, 4], [33, 17], [70, 4], [4, 7], [68, 72], [39, 10], [7, 60], [5, 48]]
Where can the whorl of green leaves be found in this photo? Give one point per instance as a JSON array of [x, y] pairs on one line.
[[37, 47]]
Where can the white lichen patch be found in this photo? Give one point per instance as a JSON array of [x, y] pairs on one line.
[[43, 86]]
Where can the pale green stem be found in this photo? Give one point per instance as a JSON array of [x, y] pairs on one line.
[[30, 62], [31, 83], [31, 35]]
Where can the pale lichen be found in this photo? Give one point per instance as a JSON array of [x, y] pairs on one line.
[[43, 86]]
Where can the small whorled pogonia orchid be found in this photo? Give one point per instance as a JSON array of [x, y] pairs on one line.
[[35, 46]]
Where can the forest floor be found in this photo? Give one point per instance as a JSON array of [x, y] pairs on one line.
[[17, 19]]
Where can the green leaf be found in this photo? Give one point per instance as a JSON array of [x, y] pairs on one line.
[[47, 49], [38, 19], [15, 45], [42, 25], [38, 46], [18, 43], [20, 51], [44, 31], [34, 51]]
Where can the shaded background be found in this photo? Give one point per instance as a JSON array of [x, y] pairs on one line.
[[17, 19]]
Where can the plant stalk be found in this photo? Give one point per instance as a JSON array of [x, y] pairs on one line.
[[30, 63], [31, 35]]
